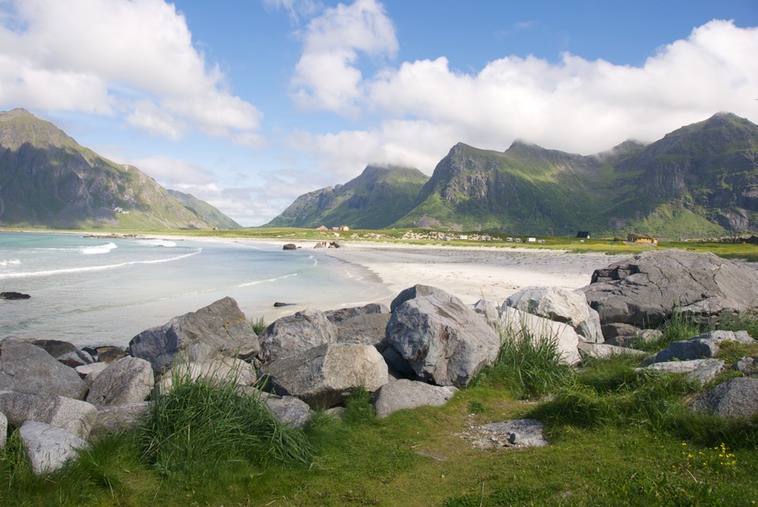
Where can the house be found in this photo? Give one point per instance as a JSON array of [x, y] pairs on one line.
[[583, 234], [321, 228], [345, 228], [531, 240], [641, 238]]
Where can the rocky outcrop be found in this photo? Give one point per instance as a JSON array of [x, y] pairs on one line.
[[522, 325], [734, 398], [128, 380], [65, 352], [364, 324], [516, 433], [560, 305], [646, 289], [296, 333], [14, 296], [605, 350], [118, 418], [403, 394], [217, 330], [699, 370], [443, 340], [26, 368], [700, 347], [327, 375], [49, 447], [75, 416]]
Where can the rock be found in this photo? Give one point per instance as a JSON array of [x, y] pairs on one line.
[[398, 366], [444, 340], [65, 352], [326, 375], [517, 433], [700, 347], [217, 330], [290, 410], [14, 296], [128, 380], [365, 324], [737, 397], [90, 371], [604, 350], [645, 290], [746, 365], [119, 418], [625, 335], [289, 246], [296, 333], [105, 353], [279, 304], [49, 447], [3, 429], [235, 371], [560, 305], [72, 415], [24, 367], [700, 370], [488, 310], [404, 394], [520, 324]]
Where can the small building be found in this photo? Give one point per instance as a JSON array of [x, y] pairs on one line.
[[641, 238], [583, 234], [531, 240], [344, 228], [322, 228]]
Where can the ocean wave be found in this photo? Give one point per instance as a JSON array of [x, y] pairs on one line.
[[84, 269], [268, 280], [99, 249], [9, 262], [157, 242]]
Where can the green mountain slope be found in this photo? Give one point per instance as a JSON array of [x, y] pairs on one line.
[[48, 180], [373, 200], [204, 211]]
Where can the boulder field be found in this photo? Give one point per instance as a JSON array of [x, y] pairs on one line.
[[419, 351]]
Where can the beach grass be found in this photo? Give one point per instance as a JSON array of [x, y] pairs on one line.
[[618, 436]]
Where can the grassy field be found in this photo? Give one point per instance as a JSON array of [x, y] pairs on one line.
[[617, 437]]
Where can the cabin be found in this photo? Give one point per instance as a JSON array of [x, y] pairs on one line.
[[583, 234], [641, 238]]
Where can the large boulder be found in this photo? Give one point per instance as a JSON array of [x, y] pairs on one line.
[[290, 410], [646, 289], [128, 380], [217, 330], [327, 375], [65, 352], [49, 447], [700, 347], [403, 394], [119, 418], [699, 370], [27, 368], [72, 415], [522, 325], [445, 341], [296, 333], [364, 324], [605, 350], [737, 397], [560, 305]]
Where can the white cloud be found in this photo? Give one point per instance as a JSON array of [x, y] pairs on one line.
[[295, 8], [327, 75], [115, 57]]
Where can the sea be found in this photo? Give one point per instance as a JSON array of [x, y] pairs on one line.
[[104, 290]]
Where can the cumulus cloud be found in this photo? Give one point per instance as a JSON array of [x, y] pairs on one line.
[[328, 76], [113, 57], [575, 105]]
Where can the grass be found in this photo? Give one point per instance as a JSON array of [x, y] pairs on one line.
[[617, 437]]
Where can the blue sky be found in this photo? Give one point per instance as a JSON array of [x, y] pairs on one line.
[[250, 103]]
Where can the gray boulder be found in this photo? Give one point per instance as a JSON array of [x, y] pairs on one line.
[[290, 410], [326, 375], [118, 418], [403, 394], [645, 290], [72, 415], [3, 429], [89, 372], [624, 335], [560, 305], [235, 371], [365, 324], [700, 370], [700, 347], [27, 368], [49, 447], [128, 380], [605, 350], [217, 330], [737, 397], [296, 333], [65, 352], [444, 340], [488, 310], [521, 325]]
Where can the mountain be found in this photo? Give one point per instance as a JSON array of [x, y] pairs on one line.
[[700, 180], [373, 200], [48, 180], [204, 211]]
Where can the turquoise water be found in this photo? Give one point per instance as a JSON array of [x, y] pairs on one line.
[[93, 291]]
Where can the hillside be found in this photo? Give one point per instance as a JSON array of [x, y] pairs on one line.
[[48, 180], [373, 200]]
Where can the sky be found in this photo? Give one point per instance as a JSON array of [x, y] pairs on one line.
[[249, 104]]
